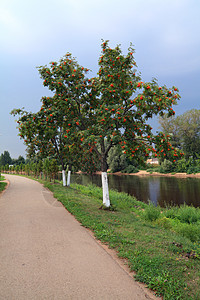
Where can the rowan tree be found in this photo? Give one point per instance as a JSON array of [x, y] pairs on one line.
[[117, 109], [110, 109], [67, 80], [45, 136]]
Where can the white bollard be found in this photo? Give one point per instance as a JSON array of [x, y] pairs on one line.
[[63, 177], [68, 178], [106, 200]]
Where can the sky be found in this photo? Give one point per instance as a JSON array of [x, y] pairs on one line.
[[164, 33]]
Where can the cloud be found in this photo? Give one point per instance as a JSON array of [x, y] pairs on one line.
[[14, 33], [8, 20]]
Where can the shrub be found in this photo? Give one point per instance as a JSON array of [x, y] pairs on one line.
[[164, 222], [181, 165], [166, 166], [151, 212], [190, 231], [185, 214], [171, 212], [193, 169], [130, 169], [189, 165], [188, 214]]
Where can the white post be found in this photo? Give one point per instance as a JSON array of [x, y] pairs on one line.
[[63, 177], [68, 178], [106, 200]]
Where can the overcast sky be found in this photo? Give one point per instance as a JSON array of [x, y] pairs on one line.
[[165, 35]]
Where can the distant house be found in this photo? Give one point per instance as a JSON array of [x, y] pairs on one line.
[[153, 161]]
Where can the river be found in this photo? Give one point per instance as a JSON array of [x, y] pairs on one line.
[[160, 190]]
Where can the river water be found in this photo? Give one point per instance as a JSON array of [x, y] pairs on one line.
[[160, 190]]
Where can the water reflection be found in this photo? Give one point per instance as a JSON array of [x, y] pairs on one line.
[[159, 190]]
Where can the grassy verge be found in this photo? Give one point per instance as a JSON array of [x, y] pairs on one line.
[[165, 258], [2, 184]]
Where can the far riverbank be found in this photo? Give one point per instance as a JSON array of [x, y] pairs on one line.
[[145, 173]]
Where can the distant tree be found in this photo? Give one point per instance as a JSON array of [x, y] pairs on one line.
[[53, 169], [184, 131], [5, 158], [20, 160], [117, 160], [34, 168], [46, 168], [39, 168], [17, 169], [7, 167], [27, 169]]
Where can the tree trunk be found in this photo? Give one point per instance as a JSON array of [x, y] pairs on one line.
[[106, 200], [69, 174], [68, 178], [104, 178], [63, 178]]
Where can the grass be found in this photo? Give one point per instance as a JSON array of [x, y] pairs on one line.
[[153, 241], [2, 184]]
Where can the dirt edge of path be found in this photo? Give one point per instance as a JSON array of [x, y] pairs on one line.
[[123, 263]]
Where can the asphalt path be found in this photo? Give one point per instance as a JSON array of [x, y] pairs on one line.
[[46, 254]]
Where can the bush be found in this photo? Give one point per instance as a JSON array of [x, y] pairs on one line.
[[181, 165], [151, 212], [193, 169], [164, 222], [166, 166], [130, 169], [185, 214], [171, 212], [190, 231], [188, 214], [189, 165]]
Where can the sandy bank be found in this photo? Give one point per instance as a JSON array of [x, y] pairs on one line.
[[145, 173]]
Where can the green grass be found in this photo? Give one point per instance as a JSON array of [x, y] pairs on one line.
[[165, 258], [2, 184]]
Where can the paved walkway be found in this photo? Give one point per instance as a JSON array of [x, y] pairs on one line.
[[46, 254]]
